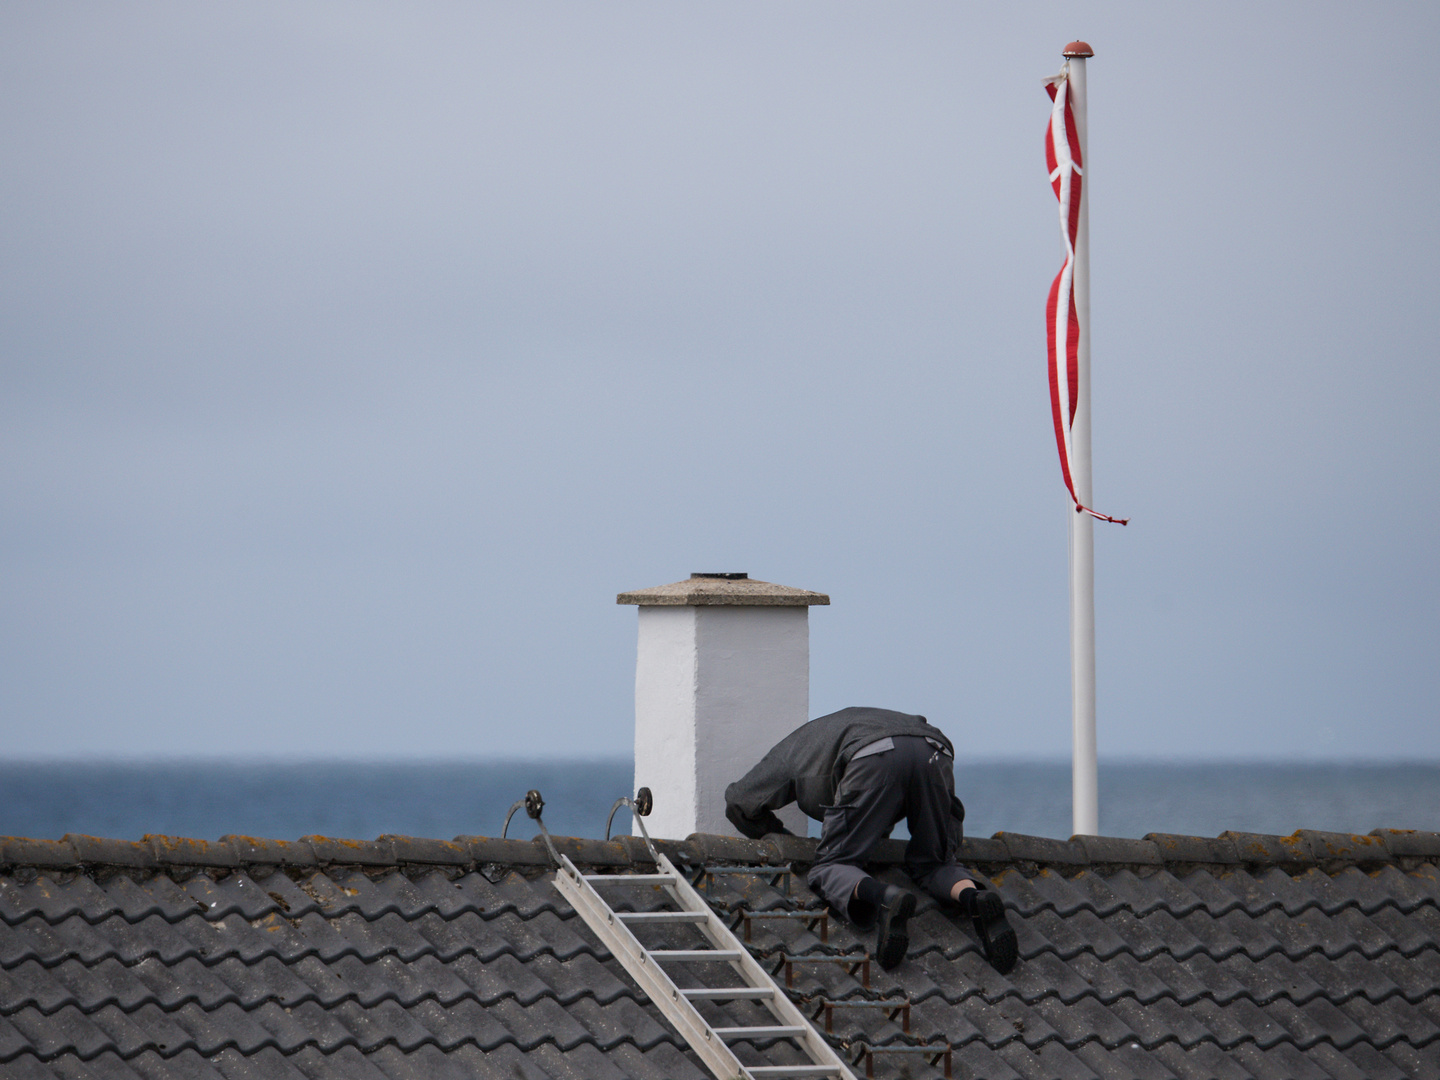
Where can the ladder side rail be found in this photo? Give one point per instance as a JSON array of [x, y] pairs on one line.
[[750, 970], [626, 948]]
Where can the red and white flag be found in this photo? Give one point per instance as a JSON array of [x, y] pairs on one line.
[[1062, 154]]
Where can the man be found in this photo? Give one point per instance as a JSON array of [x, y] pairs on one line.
[[859, 771]]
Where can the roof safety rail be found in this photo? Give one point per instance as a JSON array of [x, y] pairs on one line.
[[933, 1053]]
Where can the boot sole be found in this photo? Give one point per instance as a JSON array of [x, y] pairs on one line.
[[892, 939], [997, 937]]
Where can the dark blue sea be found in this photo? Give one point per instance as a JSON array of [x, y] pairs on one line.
[[208, 799]]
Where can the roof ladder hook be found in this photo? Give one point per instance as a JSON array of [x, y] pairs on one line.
[[642, 804], [534, 805]]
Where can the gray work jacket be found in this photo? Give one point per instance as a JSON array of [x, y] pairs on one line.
[[805, 767]]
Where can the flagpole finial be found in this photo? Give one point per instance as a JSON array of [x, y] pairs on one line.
[[1078, 48]]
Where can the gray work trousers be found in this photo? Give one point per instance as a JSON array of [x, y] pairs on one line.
[[914, 781]]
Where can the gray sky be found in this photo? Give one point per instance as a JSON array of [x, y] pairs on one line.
[[356, 356]]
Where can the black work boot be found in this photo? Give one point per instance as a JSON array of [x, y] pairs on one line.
[[997, 937], [891, 937]]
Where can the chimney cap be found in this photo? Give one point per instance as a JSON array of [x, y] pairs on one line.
[[729, 590]]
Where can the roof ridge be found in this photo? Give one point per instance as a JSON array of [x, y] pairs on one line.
[[1304, 849]]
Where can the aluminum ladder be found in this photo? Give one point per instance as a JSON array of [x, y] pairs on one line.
[[646, 967]]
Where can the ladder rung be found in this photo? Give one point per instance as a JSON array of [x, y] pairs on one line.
[[693, 955], [629, 879], [729, 993], [736, 1033], [663, 916], [792, 1070]]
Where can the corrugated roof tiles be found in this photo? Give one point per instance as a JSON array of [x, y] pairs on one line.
[[1316, 955]]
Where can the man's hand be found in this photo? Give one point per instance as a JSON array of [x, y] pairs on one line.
[[757, 827]]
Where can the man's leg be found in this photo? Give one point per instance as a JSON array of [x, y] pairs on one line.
[[870, 801], [935, 837], [867, 806], [929, 781]]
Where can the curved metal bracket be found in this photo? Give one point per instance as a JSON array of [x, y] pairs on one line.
[[534, 804], [622, 801], [642, 804], [506, 828]]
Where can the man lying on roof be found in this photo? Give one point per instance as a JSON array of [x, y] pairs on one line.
[[860, 771]]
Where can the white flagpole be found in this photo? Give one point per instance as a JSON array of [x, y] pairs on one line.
[[1084, 772]]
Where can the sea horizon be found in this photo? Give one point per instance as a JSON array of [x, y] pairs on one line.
[[211, 797]]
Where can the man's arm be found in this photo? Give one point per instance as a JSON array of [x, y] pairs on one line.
[[751, 802]]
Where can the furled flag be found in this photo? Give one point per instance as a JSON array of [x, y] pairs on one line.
[[1062, 154]]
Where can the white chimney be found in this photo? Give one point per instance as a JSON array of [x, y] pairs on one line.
[[722, 674]]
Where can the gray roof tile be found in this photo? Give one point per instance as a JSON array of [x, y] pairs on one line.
[[1203, 1061], [184, 851], [1127, 1060], [1410, 842], [1369, 1064], [20, 851], [1216, 850], [977, 1059], [105, 1067], [254, 851], [1046, 1060], [269, 1062], [1291, 852], [1419, 1063]]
